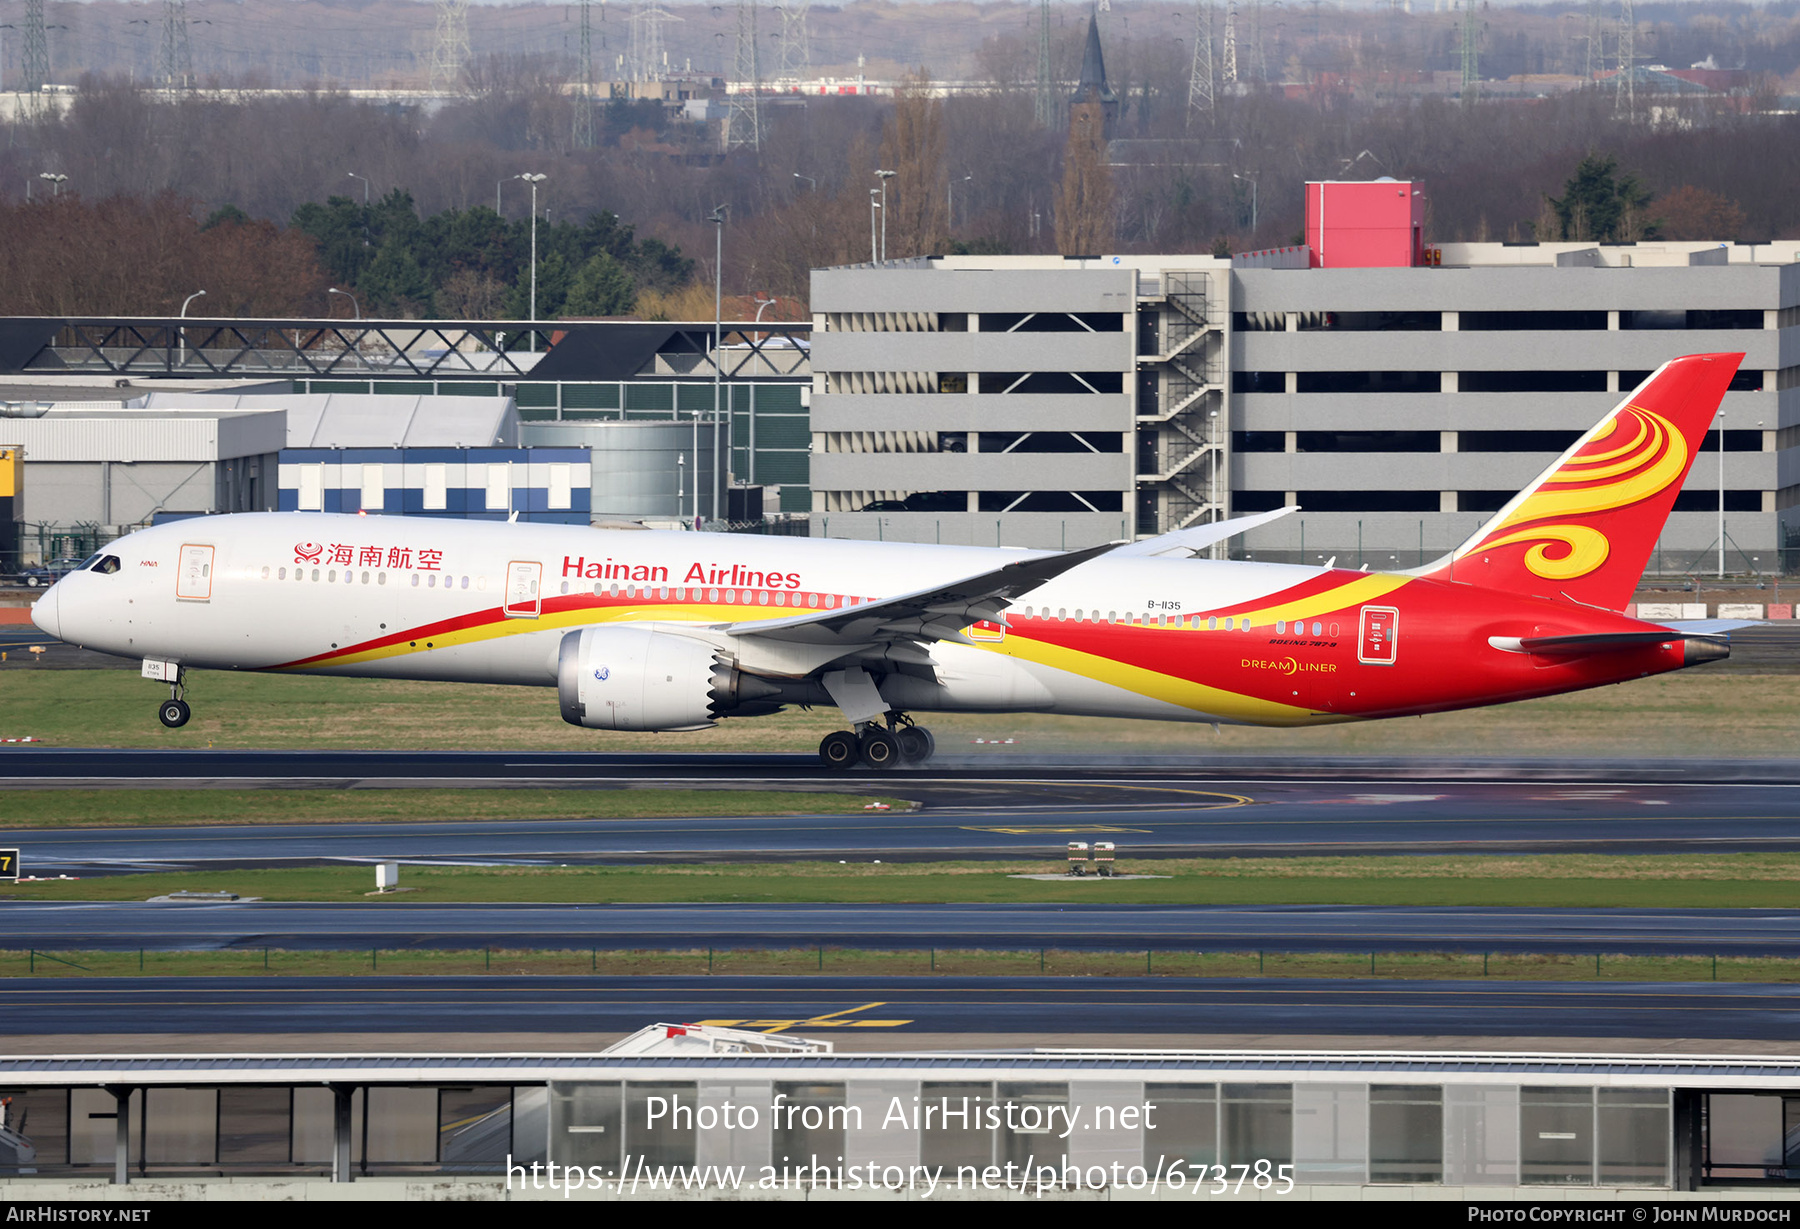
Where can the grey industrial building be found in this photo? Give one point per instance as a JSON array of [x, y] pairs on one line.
[[1052, 401], [686, 1102]]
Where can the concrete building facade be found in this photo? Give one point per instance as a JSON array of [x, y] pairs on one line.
[[1048, 401]]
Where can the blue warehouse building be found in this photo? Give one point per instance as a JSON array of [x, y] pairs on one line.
[[538, 484], [414, 455]]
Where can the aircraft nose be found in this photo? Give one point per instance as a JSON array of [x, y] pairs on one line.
[[45, 613]]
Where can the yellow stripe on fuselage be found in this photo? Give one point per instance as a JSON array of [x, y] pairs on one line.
[[1355, 593], [1155, 685]]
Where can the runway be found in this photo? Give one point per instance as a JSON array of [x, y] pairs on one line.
[[997, 813], [1098, 927], [896, 1007]]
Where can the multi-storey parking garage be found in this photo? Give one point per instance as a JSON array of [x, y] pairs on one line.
[[1049, 401]]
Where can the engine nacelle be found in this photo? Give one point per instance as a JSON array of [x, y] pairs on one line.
[[639, 678]]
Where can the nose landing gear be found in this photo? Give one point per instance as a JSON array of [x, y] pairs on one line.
[[173, 712], [871, 746]]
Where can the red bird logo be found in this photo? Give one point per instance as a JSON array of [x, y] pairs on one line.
[[307, 552]]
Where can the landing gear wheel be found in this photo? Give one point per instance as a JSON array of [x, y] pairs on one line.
[[916, 744], [840, 750], [880, 749], [175, 713]]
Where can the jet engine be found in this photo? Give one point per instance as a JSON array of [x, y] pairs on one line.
[[639, 678]]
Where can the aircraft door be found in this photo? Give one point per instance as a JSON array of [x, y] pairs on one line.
[[194, 575], [1378, 640], [524, 589]]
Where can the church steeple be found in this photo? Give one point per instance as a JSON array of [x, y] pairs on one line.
[[1092, 87], [1093, 105]]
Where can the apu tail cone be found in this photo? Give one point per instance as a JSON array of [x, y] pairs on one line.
[[1698, 650]]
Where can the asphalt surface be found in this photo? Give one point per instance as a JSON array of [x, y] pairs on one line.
[[1098, 927], [897, 1006], [996, 811]]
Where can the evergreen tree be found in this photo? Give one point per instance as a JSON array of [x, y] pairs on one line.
[[602, 287], [552, 289], [1600, 205], [394, 284]]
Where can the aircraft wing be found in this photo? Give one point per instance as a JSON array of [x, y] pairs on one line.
[[939, 613], [1193, 541]]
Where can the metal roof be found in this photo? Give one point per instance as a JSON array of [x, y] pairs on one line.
[[1624, 1070], [368, 420]]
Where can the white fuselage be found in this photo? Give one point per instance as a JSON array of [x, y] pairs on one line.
[[490, 602]]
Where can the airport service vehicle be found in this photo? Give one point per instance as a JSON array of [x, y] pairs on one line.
[[649, 630]]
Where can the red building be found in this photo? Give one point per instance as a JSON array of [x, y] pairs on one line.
[[1365, 224]]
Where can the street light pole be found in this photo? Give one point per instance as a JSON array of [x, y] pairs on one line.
[[884, 176], [874, 252], [950, 200], [365, 184], [717, 218], [181, 330], [56, 182], [534, 181], [1251, 180], [1721, 494], [354, 305]]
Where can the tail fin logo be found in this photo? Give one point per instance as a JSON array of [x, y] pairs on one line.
[[1634, 456]]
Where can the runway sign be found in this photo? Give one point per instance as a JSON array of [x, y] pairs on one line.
[[9, 864]]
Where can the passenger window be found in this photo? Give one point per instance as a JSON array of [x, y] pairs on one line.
[[1212, 624], [1317, 629], [465, 582], [265, 573], [1281, 627], [365, 578], [281, 575], [415, 577], [381, 578], [315, 575]]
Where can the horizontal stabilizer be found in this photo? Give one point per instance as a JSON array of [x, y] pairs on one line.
[[1695, 648], [1708, 627]]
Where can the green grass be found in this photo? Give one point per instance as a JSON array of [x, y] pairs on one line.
[[1720, 881], [945, 962], [125, 808], [1691, 713]]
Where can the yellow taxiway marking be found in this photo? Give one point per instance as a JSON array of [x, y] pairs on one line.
[[831, 1019]]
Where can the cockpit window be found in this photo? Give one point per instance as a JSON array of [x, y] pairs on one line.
[[108, 565], [86, 563]]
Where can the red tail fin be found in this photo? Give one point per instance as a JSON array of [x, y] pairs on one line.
[[1585, 528]]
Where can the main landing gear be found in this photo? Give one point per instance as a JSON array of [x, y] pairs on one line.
[[870, 746]]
